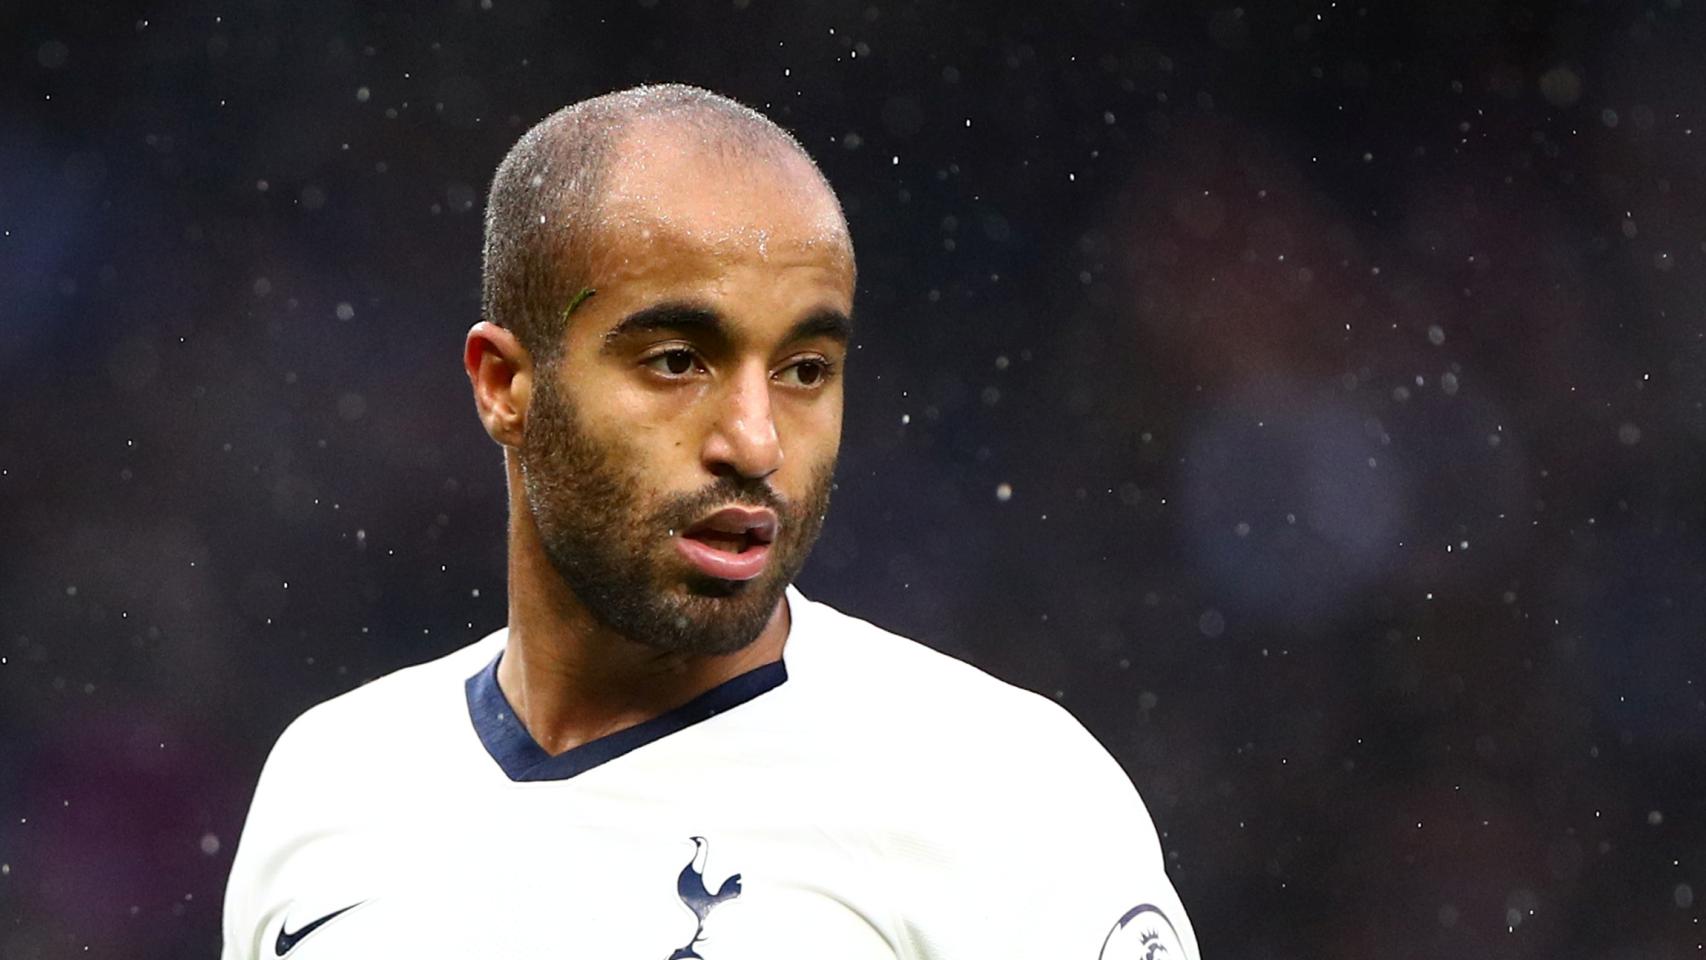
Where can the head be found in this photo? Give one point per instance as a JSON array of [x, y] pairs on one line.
[[667, 295]]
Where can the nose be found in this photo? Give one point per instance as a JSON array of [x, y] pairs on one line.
[[743, 437]]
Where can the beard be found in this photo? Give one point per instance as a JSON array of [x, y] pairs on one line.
[[614, 550]]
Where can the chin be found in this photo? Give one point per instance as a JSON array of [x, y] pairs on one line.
[[703, 586], [720, 617]]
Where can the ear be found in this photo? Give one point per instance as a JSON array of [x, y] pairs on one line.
[[501, 373]]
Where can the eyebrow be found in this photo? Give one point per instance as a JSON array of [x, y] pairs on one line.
[[696, 317]]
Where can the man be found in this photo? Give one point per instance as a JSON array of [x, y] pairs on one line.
[[670, 752]]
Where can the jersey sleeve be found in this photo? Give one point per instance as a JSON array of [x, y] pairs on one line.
[[260, 848], [1107, 894], [1052, 856]]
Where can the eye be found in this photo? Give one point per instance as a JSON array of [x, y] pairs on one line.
[[672, 363], [810, 373]]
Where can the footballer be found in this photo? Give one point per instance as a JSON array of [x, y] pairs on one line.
[[669, 752]]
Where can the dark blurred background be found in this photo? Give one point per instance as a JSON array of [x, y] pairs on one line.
[[1311, 396]]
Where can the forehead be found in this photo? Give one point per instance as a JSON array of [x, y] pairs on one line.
[[670, 183]]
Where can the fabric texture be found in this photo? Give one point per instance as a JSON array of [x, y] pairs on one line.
[[865, 797]]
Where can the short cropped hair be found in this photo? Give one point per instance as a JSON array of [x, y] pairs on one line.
[[543, 213]]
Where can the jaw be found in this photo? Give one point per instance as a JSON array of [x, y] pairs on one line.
[[713, 588]]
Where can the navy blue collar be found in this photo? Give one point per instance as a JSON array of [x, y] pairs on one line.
[[522, 758]]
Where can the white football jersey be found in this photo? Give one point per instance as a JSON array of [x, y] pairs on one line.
[[864, 797]]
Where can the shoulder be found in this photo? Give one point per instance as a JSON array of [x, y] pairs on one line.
[[847, 654], [971, 784], [407, 707], [370, 735], [945, 713]]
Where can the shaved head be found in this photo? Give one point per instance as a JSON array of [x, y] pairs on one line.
[[547, 212]]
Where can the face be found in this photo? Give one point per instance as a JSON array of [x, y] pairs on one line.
[[703, 372]]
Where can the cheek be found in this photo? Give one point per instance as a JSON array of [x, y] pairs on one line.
[[657, 463], [815, 443], [630, 425]]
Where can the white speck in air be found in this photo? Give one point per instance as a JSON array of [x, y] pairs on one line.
[[1003, 492]]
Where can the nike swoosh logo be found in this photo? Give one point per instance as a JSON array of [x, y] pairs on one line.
[[288, 941]]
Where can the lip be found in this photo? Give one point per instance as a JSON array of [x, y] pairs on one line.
[[760, 524], [721, 564], [738, 521]]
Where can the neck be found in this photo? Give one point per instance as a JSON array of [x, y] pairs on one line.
[[572, 680]]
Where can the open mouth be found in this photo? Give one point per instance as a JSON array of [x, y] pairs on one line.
[[731, 544], [726, 542], [734, 529]]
